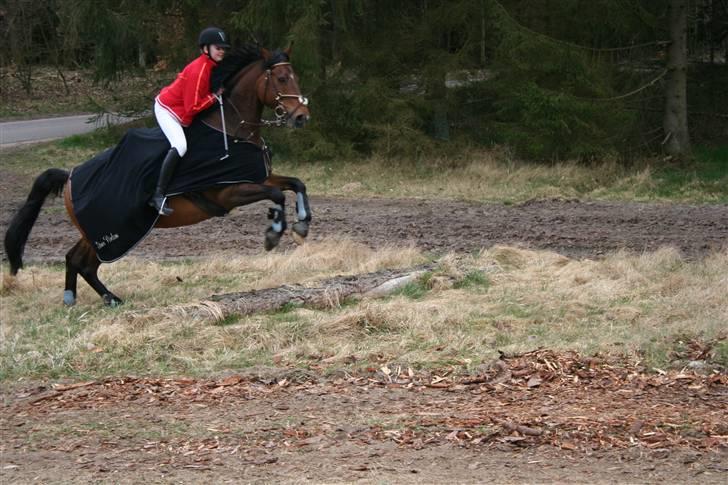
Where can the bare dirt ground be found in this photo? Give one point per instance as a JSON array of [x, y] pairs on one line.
[[541, 417], [571, 227]]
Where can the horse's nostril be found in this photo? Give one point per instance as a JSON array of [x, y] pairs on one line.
[[301, 120]]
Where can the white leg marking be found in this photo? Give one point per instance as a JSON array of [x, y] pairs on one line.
[[301, 206], [277, 226]]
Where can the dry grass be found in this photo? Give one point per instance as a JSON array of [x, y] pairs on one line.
[[625, 303], [477, 175], [504, 298]]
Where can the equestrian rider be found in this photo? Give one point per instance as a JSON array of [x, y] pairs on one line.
[[177, 104]]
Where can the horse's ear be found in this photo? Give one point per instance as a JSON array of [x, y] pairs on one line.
[[265, 53], [287, 50]]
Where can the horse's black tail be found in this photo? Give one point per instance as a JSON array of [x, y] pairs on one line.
[[52, 180]]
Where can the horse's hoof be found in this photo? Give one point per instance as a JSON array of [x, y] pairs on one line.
[[9, 283], [272, 238], [297, 238], [69, 299], [300, 228], [112, 300]]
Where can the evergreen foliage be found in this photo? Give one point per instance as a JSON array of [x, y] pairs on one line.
[[552, 79]]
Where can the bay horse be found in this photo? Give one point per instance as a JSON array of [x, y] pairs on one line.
[[252, 79]]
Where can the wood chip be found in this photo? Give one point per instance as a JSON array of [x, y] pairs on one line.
[[534, 381], [636, 427], [74, 386]]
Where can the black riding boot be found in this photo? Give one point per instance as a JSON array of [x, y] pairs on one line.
[[165, 175]]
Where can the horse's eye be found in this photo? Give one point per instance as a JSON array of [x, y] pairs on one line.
[[282, 79]]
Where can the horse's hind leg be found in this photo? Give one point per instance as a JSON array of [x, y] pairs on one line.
[[69, 293], [81, 259]]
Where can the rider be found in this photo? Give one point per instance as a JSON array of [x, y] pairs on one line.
[[177, 104]]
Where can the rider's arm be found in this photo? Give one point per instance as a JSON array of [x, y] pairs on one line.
[[197, 95]]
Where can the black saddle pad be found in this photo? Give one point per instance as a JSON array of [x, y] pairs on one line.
[[111, 191]]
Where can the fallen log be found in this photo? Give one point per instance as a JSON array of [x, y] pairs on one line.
[[328, 293]]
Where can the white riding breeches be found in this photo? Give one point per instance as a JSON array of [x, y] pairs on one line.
[[171, 128]]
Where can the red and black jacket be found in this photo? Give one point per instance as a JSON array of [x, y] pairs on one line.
[[190, 93]]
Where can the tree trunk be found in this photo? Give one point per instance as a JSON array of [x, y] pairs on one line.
[[141, 56], [675, 121], [482, 34]]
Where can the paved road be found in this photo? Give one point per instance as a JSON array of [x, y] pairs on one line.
[[29, 131]]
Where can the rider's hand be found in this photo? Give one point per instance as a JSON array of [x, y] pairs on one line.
[[219, 91]]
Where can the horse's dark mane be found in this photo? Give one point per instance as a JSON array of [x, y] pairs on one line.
[[238, 59], [233, 62]]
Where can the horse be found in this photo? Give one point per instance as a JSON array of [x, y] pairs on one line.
[[252, 78]]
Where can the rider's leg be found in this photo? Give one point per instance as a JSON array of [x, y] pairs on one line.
[[176, 136], [165, 175]]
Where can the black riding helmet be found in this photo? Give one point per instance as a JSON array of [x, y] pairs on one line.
[[213, 35]]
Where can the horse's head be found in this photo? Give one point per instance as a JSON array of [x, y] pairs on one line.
[[278, 89], [253, 78]]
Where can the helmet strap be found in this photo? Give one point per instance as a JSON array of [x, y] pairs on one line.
[[208, 51]]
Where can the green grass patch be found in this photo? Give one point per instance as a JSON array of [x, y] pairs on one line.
[[415, 290], [720, 353], [473, 280], [228, 320], [284, 313], [706, 177], [713, 162]]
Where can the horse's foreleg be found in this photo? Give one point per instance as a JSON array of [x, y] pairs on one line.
[[303, 209], [81, 259], [250, 193]]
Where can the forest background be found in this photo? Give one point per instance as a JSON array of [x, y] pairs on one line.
[[547, 79]]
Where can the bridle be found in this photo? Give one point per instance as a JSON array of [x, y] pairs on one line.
[[280, 111], [282, 115]]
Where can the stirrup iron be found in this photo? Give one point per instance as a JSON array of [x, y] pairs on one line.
[[159, 202]]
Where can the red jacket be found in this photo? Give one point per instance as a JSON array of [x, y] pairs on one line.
[[190, 92]]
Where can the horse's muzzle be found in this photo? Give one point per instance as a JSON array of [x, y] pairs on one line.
[[299, 121]]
